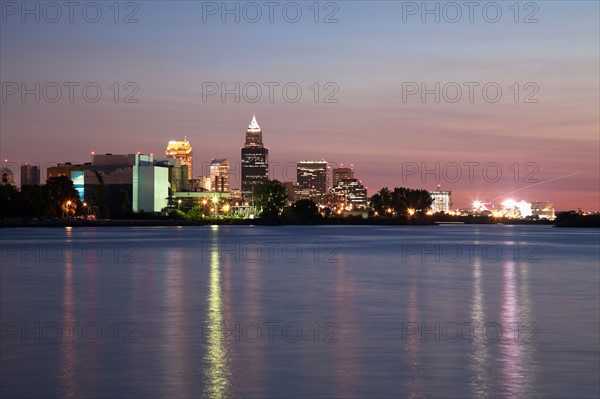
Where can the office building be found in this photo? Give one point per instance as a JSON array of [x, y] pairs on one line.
[[350, 195], [178, 174], [342, 173], [312, 175], [30, 175], [255, 159], [181, 150], [219, 175], [442, 200]]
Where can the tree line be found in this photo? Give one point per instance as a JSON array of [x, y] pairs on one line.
[[270, 199], [59, 198], [46, 200], [401, 202]]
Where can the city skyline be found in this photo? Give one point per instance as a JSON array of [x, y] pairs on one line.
[[547, 150], [414, 170]]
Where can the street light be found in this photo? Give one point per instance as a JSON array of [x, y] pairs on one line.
[[68, 208], [178, 203], [215, 200]]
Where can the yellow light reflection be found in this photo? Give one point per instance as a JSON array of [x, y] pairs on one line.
[[217, 374]]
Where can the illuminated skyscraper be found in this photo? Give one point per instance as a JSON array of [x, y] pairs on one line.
[[255, 159], [312, 175], [351, 194], [341, 173], [219, 175], [181, 150]]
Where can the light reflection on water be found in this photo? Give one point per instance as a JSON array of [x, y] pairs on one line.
[[414, 381], [217, 373], [186, 303], [68, 362], [512, 367], [480, 358]]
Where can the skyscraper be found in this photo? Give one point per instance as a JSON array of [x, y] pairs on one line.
[[219, 175], [351, 194], [30, 175], [181, 150], [341, 173], [255, 159], [312, 175]]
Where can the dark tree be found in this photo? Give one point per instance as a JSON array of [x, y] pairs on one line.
[[34, 201], [10, 201], [270, 197], [59, 191], [400, 201], [419, 200], [303, 211]]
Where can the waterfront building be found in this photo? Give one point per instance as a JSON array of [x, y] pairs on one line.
[[543, 210], [442, 200], [132, 182]]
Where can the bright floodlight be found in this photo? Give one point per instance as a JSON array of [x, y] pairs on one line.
[[509, 203]]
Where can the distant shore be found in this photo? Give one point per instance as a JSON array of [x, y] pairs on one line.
[[148, 222]]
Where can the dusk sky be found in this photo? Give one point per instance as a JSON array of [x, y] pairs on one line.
[[370, 54]]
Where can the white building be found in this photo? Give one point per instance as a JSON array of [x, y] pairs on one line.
[[442, 200]]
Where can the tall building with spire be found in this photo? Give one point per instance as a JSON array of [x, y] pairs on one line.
[[255, 159], [181, 150]]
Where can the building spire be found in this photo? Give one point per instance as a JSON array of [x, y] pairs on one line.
[[253, 127]]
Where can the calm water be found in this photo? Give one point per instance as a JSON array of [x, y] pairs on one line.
[[297, 312]]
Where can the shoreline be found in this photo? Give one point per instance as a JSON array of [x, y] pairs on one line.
[[16, 223]]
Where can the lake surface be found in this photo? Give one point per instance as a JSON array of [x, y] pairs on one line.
[[296, 312]]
